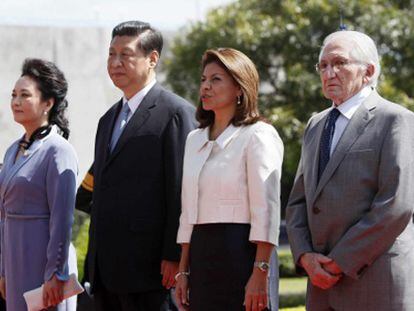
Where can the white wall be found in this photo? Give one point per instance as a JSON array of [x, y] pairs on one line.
[[81, 54]]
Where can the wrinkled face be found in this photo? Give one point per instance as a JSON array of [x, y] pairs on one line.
[[342, 77], [218, 90], [128, 67], [27, 105]]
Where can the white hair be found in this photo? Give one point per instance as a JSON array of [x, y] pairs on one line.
[[364, 50]]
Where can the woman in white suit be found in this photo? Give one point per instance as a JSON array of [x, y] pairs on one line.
[[230, 217], [37, 191]]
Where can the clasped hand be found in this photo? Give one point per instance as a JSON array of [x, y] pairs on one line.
[[53, 292], [323, 271]]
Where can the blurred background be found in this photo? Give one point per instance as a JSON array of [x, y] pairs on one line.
[[282, 37]]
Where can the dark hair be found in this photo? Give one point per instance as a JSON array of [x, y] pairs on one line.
[[245, 74], [150, 39], [51, 83]]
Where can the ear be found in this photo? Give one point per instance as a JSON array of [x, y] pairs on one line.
[[369, 72], [49, 104], [153, 59]]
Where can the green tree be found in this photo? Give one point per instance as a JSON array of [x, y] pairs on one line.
[[283, 38]]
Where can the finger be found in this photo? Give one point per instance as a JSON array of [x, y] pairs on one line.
[[45, 298], [263, 301], [248, 302], [171, 283], [323, 259]]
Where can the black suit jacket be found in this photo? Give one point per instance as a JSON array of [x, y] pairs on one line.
[[137, 193]]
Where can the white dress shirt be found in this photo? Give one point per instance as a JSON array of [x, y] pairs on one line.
[[347, 110], [135, 100], [234, 179]]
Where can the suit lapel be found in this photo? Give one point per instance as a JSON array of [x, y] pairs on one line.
[[315, 145], [354, 129], [137, 120]]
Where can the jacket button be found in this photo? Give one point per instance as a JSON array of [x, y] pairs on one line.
[[316, 210]]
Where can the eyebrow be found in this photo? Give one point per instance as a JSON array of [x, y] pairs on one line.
[[214, 74]]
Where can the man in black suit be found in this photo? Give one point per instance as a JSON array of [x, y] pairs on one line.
[[132, 251]]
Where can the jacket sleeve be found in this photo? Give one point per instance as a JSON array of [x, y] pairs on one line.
[[297, 217], [174, 142], [392, 207], [264, 169], [84, 193], [61, 190]]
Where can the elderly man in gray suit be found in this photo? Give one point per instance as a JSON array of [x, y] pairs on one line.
[[349, 216]]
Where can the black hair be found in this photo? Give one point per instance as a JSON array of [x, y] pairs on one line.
[[150, 39], [51, 83]]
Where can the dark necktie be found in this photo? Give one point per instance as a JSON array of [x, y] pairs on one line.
[[326, 140]]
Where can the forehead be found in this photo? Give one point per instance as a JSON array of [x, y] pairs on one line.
[[214, 68], [337, 48], [26, 83], [124, 42]]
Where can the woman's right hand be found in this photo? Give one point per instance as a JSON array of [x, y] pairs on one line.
[[181, 293], [3, 287]]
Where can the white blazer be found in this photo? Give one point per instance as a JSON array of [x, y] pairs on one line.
[[246, 186]]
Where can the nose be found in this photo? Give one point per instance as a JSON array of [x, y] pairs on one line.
[[114, 61], [329, 72], [205, 85], [15, 101]]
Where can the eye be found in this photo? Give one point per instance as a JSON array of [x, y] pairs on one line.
[[322, 66], [13, 95], [202, 79], [339, 63]]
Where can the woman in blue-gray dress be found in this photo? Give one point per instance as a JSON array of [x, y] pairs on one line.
[[37, 190]]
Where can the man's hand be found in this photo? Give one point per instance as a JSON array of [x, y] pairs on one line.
[[168, 270], [332, 268], [314, 264]]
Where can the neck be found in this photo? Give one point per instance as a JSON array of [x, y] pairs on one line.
[[31, 128], [221, 121], [128, 93]]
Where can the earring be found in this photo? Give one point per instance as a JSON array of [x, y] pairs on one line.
[[238, 100], [45, 113]]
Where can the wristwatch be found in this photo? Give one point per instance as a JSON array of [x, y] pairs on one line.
[[262, 265]]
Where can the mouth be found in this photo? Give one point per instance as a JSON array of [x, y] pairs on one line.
[[205, 98], [117, 74]]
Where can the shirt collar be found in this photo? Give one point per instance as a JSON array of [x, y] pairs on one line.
[[135, 100], [348, 107], [223, 140]]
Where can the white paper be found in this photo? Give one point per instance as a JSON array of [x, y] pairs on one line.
[[34, 297]]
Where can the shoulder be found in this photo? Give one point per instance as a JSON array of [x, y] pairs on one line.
[[175, 103], [196, 135], [112, 110], [59, 147], [261, 130]]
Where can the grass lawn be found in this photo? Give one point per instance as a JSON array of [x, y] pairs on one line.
[[301, 308], [292, 285]]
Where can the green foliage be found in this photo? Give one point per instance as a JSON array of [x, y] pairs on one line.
[[81, 245], [286, 265], [292, 300], [283, 39]]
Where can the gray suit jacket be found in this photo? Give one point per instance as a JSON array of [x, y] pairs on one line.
[[360, 212]]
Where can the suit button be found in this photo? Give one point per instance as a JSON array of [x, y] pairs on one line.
[[316, 210]]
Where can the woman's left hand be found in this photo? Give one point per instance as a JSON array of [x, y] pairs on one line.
[[255, 298], [53, 292]]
